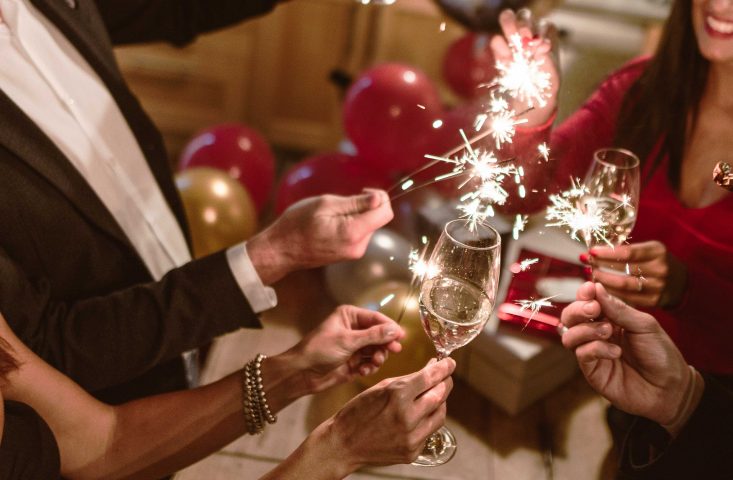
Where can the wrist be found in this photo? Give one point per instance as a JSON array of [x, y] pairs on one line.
[[331, 451], [688, 403], [267, 260], [281, 381]]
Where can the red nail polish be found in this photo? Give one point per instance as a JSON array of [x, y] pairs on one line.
[[584, 257], [588, 272]]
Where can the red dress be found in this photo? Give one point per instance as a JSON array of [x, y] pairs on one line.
[[702, 238]]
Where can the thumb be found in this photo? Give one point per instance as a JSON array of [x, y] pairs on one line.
[[368, 200], [376, 335], [623, 315]]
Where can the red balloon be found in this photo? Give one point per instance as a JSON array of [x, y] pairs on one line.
[[469, 63], [238, 150], [336, 173], [388, 114]]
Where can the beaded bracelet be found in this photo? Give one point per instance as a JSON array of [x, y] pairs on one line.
[[254, 401]]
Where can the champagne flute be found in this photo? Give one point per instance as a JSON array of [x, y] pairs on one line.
[[457, 296], [613, 194]]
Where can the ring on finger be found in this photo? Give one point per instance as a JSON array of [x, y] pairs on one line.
[[639, 283], [561, 329]]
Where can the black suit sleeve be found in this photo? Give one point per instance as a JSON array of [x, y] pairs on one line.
[[105, 341], [703, 449], [175, 21]]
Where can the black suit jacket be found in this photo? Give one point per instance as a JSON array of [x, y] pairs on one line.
[[703, 449], [71, 285]]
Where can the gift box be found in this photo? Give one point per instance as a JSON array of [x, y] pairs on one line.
[[515, 363]]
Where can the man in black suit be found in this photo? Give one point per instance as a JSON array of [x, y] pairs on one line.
[[95, 270], [681, 422]]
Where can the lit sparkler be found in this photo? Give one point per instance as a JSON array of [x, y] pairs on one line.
[[534, 306], [519, 224], [566, 211], [524, 265], [523, 77], [544, 151]]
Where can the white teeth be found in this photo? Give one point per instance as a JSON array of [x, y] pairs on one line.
[[719, 26]]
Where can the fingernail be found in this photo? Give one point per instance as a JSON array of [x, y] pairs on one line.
[[593, 252], [390, 332], [584, 257], [588, 271], [589, 308], [604, 330]]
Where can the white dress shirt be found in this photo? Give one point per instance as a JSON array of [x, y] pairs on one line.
[[44, 74]]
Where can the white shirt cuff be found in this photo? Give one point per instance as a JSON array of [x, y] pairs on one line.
[[259, 296]]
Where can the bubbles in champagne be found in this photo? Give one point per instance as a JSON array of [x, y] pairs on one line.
[[453, 311]]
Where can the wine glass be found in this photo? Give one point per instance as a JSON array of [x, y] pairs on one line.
[[457, 296], [613, 186]]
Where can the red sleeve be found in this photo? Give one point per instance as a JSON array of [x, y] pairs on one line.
[[593, 126]]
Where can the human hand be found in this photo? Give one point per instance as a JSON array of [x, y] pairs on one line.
[[388, 423], [350, 342], [539, 38], [317, 231], [625, 355], [655, 277]]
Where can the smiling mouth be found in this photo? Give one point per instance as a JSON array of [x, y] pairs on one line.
[[719, 26]]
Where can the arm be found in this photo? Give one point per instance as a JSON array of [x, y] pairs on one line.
[[107, 340], [157, 435], [702, 448], [176, 21]]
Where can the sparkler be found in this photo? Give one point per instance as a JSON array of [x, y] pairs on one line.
[[566, 211], [519, 224], [524, 265], [523, 77], [534, 306]]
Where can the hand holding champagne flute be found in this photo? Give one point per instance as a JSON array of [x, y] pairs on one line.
[[456, 299]]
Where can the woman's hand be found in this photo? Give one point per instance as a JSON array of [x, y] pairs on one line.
[[539, 38], [351, 341], [383, 425], [648, 275]]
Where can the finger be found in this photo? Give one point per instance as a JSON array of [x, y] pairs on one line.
[[586, 292], [628, 283], [588, 354], [370, 199], [585, 333], [376, 335], [363, 318], [432, 398], [580, 312], [429, 376], [525, 25], [636, 299], [431, 423], [508, 23], [500, 48], [623, 315], [633, 253]]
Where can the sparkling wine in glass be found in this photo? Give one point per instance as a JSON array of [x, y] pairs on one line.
[[456, 299], [613, 183]]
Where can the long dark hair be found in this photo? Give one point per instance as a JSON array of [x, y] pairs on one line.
[[7, 361], [664, 102]]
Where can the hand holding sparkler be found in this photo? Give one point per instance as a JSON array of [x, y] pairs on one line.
[[527, 65], [628, 358], [653, 277]]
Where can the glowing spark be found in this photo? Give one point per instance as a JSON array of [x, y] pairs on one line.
[[424, 240], [503, 126], [387, 299], [408, 184], [523, 77], [442, 26], [525, 264], [535, 306], [544, 151], [566, 211], [519, 223], [422, 107], [419, 266]]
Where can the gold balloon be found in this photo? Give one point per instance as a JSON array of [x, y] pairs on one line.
[[219, 210], [417, 349]]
